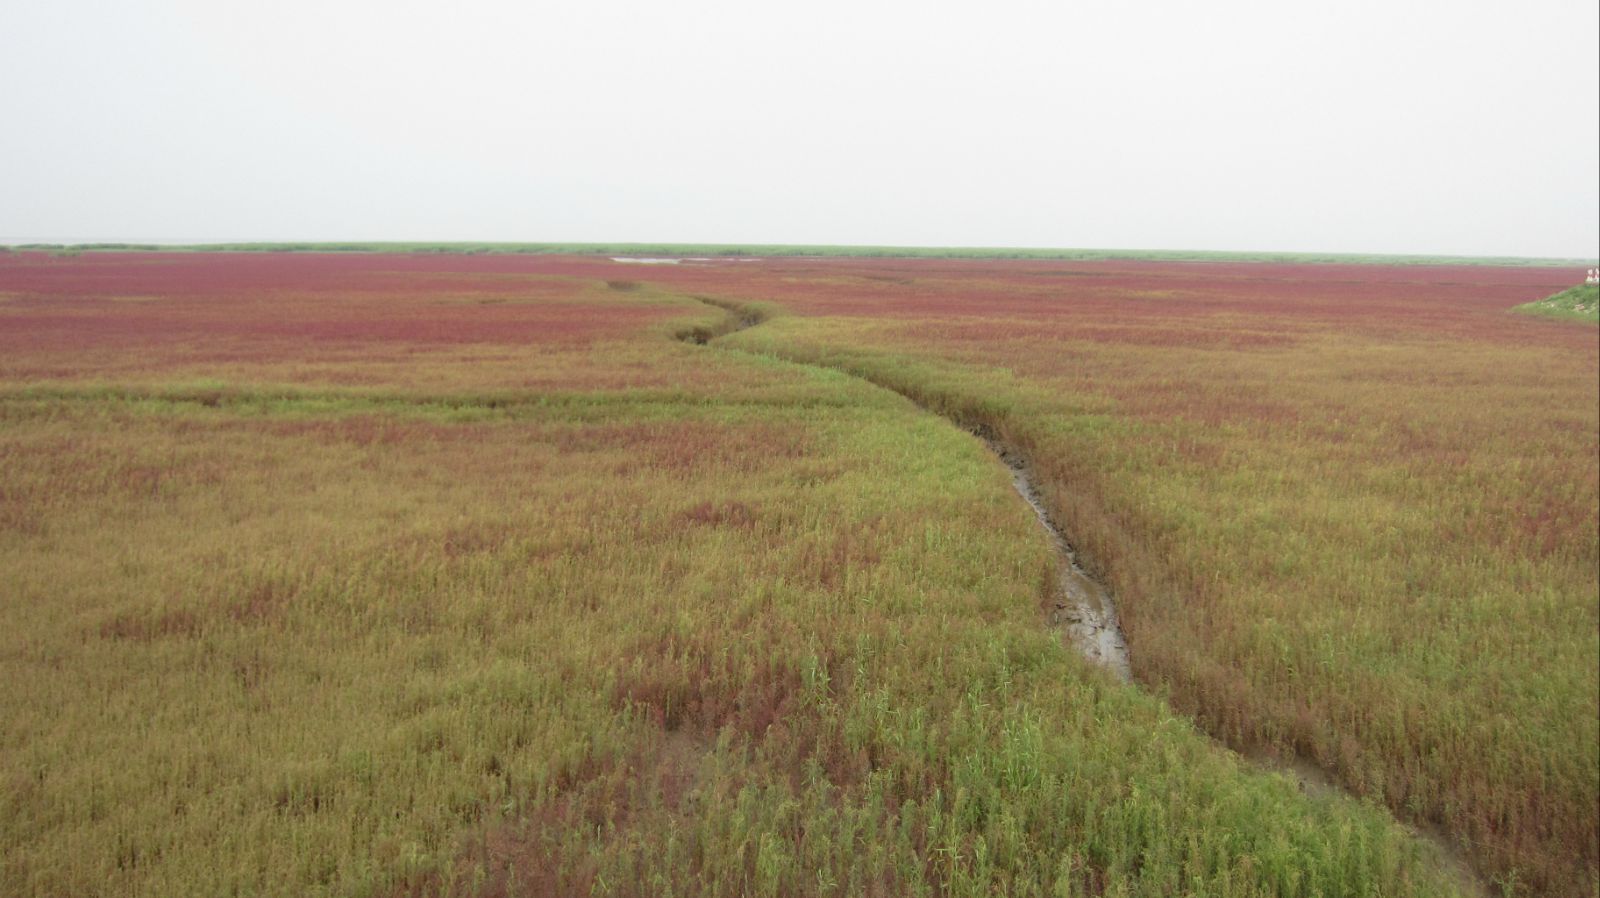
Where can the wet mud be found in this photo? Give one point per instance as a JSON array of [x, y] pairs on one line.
[[1083, 607]]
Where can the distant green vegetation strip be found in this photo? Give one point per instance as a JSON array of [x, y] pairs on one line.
[[1581, 303], [768, 250]]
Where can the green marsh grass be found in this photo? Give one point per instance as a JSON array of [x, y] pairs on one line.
[[1580, 303]]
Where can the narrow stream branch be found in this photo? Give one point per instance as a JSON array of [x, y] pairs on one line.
[[1083, 607], [1086, 612]]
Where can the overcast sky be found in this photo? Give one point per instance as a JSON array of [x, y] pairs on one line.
[[1397, 126]]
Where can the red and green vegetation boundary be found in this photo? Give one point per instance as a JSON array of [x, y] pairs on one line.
[[1580, 303]]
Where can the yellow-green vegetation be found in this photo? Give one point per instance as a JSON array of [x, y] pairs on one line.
[[771, 631], [1580, 303]]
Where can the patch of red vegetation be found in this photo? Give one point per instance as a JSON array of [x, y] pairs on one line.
[[1229, 305], [723, 514], [135, 308]]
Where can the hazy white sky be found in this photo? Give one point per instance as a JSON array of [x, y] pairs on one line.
[[1398, 126]]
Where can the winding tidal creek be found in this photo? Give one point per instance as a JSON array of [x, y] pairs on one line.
[[1085, 611]]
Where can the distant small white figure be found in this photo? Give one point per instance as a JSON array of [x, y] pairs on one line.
[[1593, 276]]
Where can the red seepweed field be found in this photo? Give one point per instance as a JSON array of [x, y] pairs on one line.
[[418, 574]]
